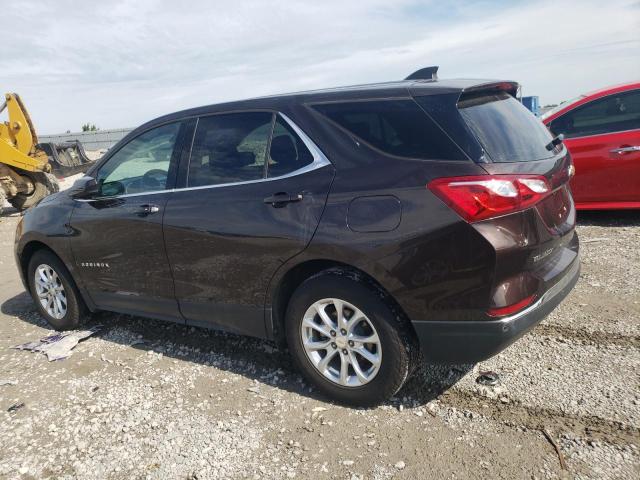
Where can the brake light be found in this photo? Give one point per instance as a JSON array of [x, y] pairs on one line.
[[487, 196], [508, 310]]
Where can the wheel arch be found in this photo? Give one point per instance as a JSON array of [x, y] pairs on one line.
[[300, 272], [27, 252]]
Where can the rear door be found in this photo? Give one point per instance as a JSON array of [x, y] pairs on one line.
[[118, 244], [603, 137], [254, 191]]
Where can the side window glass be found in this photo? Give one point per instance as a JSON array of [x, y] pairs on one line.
[[229, 148], [288, 152], [614, 113], [396, 127], [142, 165]]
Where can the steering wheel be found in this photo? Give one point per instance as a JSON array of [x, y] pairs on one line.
[[155, 178]]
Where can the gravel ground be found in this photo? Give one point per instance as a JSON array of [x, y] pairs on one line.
[[145, 399]]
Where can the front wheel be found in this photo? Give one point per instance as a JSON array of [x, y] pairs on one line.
[[54, 291], [347, 340]]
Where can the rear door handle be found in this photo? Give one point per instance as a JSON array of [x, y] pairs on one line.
[[280, 199], [147, 209], [626, 149]]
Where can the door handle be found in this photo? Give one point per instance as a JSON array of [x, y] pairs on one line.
[[147, 209], [626, 149], [280, 199]]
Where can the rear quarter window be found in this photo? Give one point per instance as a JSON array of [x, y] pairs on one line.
[[396, 127]]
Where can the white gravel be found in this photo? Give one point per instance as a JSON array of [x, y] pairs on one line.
[[145, 399]]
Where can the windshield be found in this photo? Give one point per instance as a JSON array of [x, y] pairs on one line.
[[557, 108], [507, 131]]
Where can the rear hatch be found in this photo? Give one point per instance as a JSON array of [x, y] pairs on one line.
[[523, 206]]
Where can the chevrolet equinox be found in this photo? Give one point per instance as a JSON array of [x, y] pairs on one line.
[[366, 228]]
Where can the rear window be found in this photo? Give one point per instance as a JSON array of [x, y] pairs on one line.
[[507, 131], [396, 127]]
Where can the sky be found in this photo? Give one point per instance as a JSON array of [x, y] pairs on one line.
[[120, 63]]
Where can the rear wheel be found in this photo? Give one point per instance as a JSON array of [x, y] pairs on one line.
[[54, 291], [347, 340]]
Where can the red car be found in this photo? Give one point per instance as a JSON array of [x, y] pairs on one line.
[[602, 132]]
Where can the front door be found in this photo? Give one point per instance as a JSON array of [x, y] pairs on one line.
[[603, 137], [253, 199], [119, 246]]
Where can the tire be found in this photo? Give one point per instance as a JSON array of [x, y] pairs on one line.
[[394, 350], [40, 181], [73, 313]]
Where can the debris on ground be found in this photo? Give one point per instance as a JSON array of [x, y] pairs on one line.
[[563, 464], [58, 346], [4, 382], [400, 465], [15, 407], [488, 378]]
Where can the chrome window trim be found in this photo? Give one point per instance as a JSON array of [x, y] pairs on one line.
[[319, 160]]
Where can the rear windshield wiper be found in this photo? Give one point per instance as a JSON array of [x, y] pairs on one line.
[[555, 142]]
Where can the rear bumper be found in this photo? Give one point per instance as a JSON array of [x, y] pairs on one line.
[[474, 341]]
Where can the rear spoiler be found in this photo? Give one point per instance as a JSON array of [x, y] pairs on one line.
[[431, 74], [490, 87]]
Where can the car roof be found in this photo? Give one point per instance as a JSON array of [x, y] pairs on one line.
[[590, 96], [621, 87], [282, 102]]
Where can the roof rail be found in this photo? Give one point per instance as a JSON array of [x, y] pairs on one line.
[[426, 73]]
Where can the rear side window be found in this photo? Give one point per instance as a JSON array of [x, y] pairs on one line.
[[507, 131], [396, 127], [614, 113], [229, 148], [288, 152]]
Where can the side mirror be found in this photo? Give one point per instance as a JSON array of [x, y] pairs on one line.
[[85, 188], [111, 189]]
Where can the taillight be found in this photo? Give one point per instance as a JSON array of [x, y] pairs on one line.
[[486, 196], [509, 309]]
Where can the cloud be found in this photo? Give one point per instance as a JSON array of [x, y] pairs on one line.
[[121, 63]]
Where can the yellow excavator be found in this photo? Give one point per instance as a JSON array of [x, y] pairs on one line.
[[27, 167]]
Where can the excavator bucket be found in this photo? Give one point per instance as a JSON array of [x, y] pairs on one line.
[[66, 158]]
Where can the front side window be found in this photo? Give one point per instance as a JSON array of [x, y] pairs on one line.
[[229, 148], [614, 113], [288, 152], [142, 165], [396, 127]]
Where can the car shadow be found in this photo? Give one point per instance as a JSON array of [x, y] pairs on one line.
[[255, 359], [609, 218]]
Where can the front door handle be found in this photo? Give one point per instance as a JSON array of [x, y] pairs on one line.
[[280, 199], [147, 209], [626, 149]]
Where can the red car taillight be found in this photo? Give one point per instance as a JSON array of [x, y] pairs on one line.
[[486, 196]]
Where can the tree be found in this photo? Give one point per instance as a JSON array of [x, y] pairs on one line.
[[89, 127]]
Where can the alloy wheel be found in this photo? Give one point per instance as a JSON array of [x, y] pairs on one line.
[[341, 342], [50, 291]]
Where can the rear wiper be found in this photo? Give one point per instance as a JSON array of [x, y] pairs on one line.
[[555, 142]]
